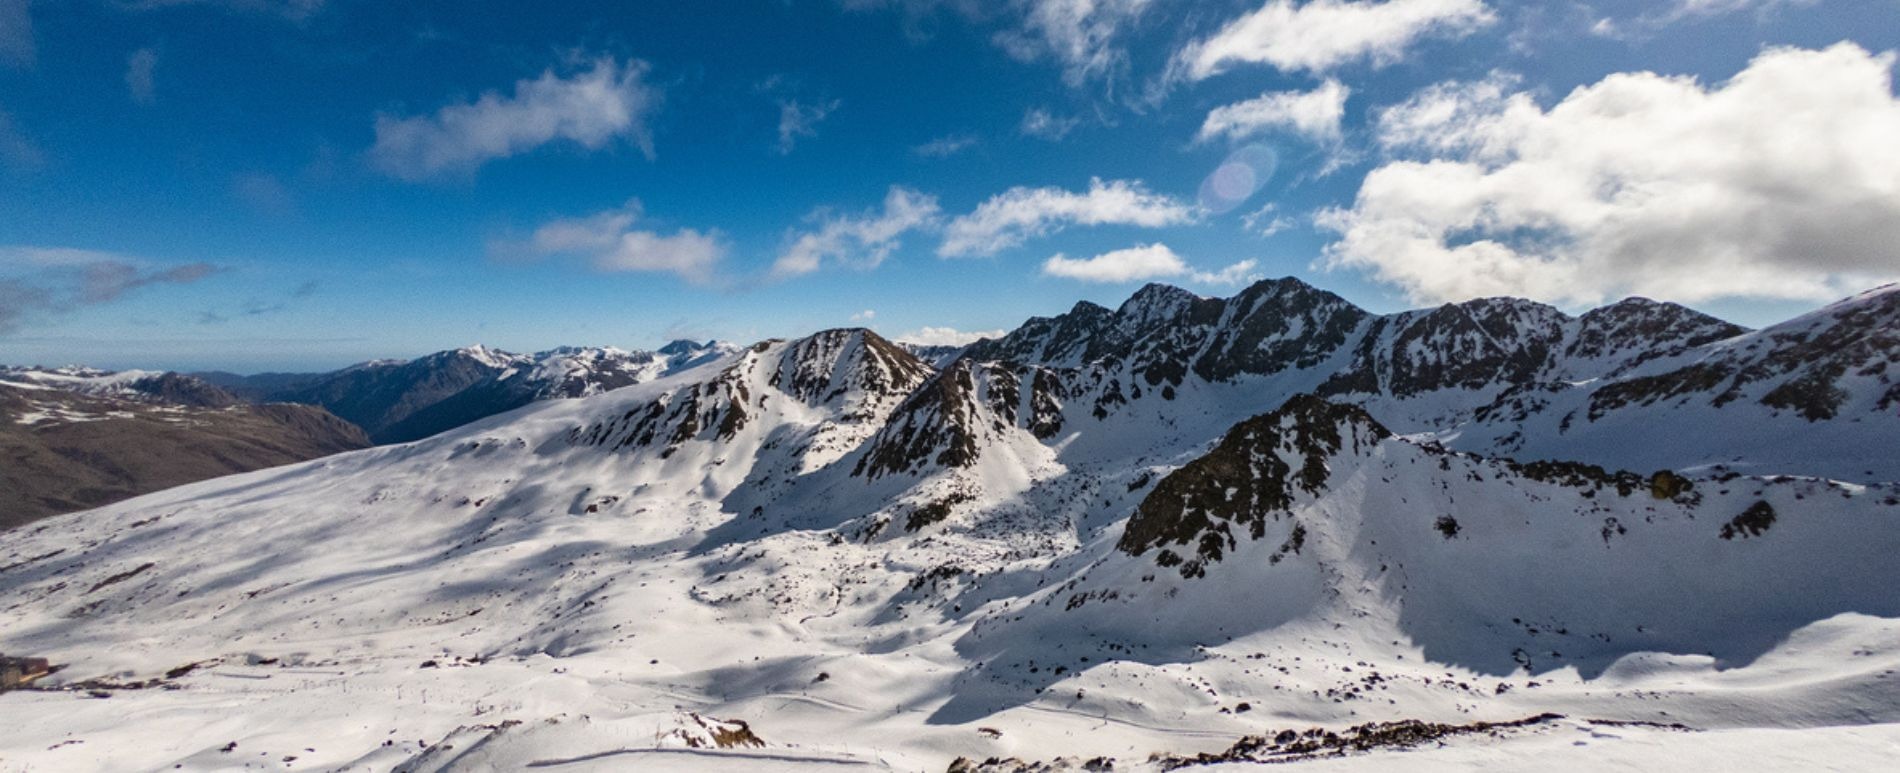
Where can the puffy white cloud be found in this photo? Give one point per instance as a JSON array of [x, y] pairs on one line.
[[1018, 214], [947, 336], [138, 75], [1323, 34], [1143, 262], [1314, 114], [862, 240], [864, 316], [1079, 34], [1125, 265], [1782, 182], [1038, 122], [946, 146], [609, 101], [796, 120], [610, 242]]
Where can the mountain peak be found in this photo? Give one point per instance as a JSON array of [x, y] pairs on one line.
[[685, 346], [1248, 479]]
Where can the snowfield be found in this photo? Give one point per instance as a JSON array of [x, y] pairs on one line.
[[826, 554]]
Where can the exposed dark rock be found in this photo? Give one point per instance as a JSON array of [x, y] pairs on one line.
[[1246, 481]]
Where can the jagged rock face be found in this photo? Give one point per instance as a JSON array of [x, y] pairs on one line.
[[1471, 345], [1248, 479], [1277, 326], [851, 369], [1628, 333], [940, 424], [1162, 333], [1805, 366], [853, 376]]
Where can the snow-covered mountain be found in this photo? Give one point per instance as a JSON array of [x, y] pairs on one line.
[[1128, 537], [1637, 384], [401, 400]]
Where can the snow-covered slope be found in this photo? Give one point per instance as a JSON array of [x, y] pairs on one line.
[[1111, 534]]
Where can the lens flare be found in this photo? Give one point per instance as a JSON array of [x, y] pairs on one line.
[[1238, 178]]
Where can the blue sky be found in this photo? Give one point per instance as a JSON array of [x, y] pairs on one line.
[[302, 184]]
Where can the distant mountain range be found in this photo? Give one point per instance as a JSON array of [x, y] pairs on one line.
[[396, 401], [78, 437]]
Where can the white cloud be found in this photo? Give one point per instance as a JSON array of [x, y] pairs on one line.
[[16, 34], [1043, 125], [138, 75], [1013, 216], [1268, 220], [947, 336], [1079, 34], [946, 146], [610, 243], [1148, 261], [1126, 265], [1314, 114], [864, 316], [864, 240], [1320, 35], [797, 120], [610, 101], [1244, 271], [1782, 182]]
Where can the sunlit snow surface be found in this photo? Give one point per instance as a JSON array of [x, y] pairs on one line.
[[504, 596]]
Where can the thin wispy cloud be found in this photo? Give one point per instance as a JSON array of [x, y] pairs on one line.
[[36, 280], [800, 120], [945, 146], [862, 240], [607, 102], [18, 152], [1014, 216], [17, 46], [1083, 36], [139, 69], [613, 242], [1038, 122], [293, 10]]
